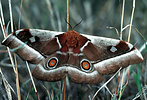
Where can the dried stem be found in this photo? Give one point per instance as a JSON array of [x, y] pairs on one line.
[[122, 18], [6, 85], [64, 89], [67, 15], [17, 84], [32, 80], [20, 14], [17, 81], [16, 71], [11, 18], [106, 83], [2, 21], [48, 2], [117, 85], [131, 21], [128, 41]]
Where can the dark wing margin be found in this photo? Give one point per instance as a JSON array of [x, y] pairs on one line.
[[108, 55]]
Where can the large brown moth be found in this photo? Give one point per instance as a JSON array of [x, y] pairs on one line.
[[84, 58]]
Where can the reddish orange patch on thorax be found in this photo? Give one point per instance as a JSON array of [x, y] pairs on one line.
[[72, 38], [71, 41]]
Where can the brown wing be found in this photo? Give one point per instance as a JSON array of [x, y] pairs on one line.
[[108, 55], [42, 40], [67, 64], [34, 44]]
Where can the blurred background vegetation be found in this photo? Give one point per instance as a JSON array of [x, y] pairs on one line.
[[96, 16]]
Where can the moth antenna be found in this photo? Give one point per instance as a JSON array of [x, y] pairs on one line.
[[77, 24], [68, 24]]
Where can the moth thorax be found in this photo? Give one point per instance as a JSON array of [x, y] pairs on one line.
[[72, 42], [52, 62], [85, 65]]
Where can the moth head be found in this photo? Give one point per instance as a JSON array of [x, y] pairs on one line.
[[52, 63], [85, 65], [72, 38]]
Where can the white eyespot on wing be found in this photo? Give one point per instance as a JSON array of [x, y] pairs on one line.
[[113, 49], [85, 65], [32, 39], [52, 63]]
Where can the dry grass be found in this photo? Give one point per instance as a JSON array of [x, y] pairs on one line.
[[96, 15]]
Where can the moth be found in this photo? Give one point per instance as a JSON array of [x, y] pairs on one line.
[[84, 58]]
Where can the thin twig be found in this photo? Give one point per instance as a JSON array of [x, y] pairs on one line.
[[11, 18], [117, 85], [122, 90], [58, 19], [116, 31], [48, 92], [48, 2], [20, 14], [106, 83], [17, 83], [128, 41], [2, 21], [2, 28], [122, 81], [135, 29], [17, 79], [109, 91], [140, 33], [122, 18], [11, 59], [67, 15], [142, 93], [7, 86], [131, 21], [32, 80], [16, 71], [64, 89]]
